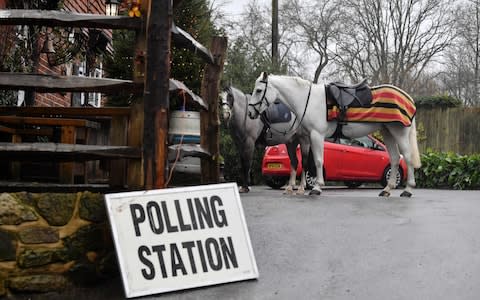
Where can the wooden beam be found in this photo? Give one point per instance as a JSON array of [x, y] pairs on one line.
[[54, 83], [7, 129], [53, 18], [83, 112], [17, 120], [184, 40], [69, 136], [35, 131], [156, 93], [209, 120], [42, 187], [65, 152], [118, 136]]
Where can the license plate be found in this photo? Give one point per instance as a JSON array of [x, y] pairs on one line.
[[274, 166]]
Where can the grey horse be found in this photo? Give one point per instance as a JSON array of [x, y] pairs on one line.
[[277, 126]]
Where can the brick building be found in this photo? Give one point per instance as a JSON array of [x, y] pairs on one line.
[[70, 51]]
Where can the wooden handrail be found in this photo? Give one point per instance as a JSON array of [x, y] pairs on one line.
[[55, 83], [65, 152], [65, 111], [17, 120], [53, 18]]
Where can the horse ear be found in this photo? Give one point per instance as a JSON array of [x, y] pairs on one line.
[[264, 76]]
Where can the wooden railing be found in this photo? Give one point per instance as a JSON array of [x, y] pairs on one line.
[[143, 127], [110, 126]]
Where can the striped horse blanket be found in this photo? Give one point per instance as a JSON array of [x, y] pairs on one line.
[[389, 104]]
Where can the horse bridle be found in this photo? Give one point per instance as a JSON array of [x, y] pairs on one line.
[[264, 98]]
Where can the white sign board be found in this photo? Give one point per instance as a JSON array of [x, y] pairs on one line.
[[180, 238]]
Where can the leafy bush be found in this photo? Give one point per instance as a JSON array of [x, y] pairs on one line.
[[449, 170], [231, 159], [437, 101]]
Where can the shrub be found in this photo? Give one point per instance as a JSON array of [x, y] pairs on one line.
[[231, 159], [440, 101], [449, 170]]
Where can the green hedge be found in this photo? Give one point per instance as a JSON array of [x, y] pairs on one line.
[[449, 170], [437, 101]]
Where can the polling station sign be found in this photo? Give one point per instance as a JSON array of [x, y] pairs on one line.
[[179, 238]]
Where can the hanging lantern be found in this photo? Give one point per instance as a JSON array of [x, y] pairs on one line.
[[111, 7]]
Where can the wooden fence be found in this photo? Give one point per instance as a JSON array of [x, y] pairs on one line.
[[450, 129]]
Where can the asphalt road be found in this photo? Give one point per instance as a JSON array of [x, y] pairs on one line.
[[349, 244]]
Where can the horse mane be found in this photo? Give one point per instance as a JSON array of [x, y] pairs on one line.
[[231, 90], [298, 80]]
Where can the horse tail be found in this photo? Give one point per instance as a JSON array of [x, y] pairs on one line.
[[414, 146]]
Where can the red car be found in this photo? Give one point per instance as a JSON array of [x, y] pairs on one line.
[[353, 161]]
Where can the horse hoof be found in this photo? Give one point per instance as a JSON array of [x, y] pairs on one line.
[[384, 194], [288, 191], [244, 189], [315, 193], [301, 192], [406, 194]]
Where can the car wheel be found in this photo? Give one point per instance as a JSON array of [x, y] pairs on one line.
[[386, 176], [276, 182], [353, 184], [310, 178]]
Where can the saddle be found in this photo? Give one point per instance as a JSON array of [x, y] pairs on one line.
[[348, 95]]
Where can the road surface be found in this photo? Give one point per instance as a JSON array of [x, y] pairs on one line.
[[349, 244]]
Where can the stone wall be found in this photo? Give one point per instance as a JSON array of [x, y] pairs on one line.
[[50, 242]]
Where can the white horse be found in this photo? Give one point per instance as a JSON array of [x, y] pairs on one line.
[[309, 101]]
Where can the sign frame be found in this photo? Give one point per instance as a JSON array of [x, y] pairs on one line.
[[126, 236]]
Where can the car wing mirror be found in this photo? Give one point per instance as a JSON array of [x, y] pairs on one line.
[[378, 147]]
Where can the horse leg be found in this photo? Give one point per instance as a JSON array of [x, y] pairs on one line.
[[246, 163], [316, 140], [292, 154], [401, 136], [394, 155], [305, 149]]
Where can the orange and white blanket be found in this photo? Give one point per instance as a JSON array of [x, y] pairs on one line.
[[389, 104]]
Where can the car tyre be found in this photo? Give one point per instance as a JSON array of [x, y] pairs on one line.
[[276, 182], [311, 177], [386, 176]]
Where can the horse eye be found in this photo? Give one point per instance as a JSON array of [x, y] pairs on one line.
[[258, 91]]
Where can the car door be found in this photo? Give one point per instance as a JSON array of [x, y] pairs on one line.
[[332, 158], [359, 159]]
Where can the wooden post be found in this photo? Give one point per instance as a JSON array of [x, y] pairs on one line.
[[275, 60], [209, 120], [16, 166], [156, 94], [66, 169], [118, 136], [135, 173]]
